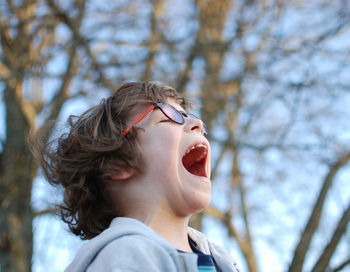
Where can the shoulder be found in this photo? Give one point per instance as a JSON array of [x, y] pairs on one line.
[[134, 253], [127, 245]]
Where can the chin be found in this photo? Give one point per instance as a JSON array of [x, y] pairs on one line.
[[198, 202]]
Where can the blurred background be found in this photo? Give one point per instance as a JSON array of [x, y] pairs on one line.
[[273, 81]]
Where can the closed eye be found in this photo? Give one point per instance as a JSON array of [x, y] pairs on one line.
[[165, 120]]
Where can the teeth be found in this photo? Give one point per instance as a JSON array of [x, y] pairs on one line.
[[196, 146]]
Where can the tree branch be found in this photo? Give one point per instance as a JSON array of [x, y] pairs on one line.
[[323, 260], [312, 224], [81, 41], [62, 95], [153, 43], [218, 161], [243, 244], [185, 75], [246, 247], [52, 211], [1, 163], [341, 266], [226, 219], [4, 71]]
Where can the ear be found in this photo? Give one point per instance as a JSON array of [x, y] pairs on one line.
[[124, 174]]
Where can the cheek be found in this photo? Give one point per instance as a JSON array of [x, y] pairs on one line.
[[160, 150]]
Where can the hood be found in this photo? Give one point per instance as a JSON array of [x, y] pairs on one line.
[[123, 226], [119, 226]]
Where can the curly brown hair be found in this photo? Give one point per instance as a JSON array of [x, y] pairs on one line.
[[84, 159]]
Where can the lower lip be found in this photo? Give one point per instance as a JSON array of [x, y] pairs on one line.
[[203, 178]]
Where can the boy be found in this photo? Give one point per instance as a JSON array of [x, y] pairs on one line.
[[134, 169]]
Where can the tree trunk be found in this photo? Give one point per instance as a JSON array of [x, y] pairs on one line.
[[15, 185]]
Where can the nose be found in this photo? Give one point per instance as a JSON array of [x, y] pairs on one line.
[[193, 124]]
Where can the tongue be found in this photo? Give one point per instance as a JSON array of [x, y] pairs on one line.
[[197, 169], [189, 162]]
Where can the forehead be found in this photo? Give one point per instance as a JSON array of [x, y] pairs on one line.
[[175, 104]]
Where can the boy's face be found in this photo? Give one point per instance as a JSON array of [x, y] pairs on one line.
[[177, 162]]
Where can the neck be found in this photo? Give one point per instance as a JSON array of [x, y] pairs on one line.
[[172, 228], [176, 232]]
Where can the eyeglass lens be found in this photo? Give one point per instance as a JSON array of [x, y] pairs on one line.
[[177, 116], [172, 113]]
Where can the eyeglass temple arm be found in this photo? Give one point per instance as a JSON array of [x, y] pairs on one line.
[[137, 120]]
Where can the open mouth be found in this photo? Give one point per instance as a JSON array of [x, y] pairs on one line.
[[195, 159]]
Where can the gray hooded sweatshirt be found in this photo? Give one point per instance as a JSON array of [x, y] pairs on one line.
[[130, 245]]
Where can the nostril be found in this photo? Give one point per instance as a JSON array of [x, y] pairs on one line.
[[193, 123], [195, 128]]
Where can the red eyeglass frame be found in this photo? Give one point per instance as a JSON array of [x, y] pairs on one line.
[[159, 105]]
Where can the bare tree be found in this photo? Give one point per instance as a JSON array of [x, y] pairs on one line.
[[271, 76], [27, 42]]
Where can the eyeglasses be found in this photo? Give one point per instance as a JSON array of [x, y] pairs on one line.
[[169, 111]]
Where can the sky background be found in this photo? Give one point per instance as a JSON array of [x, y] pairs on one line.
[[297, 102]]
